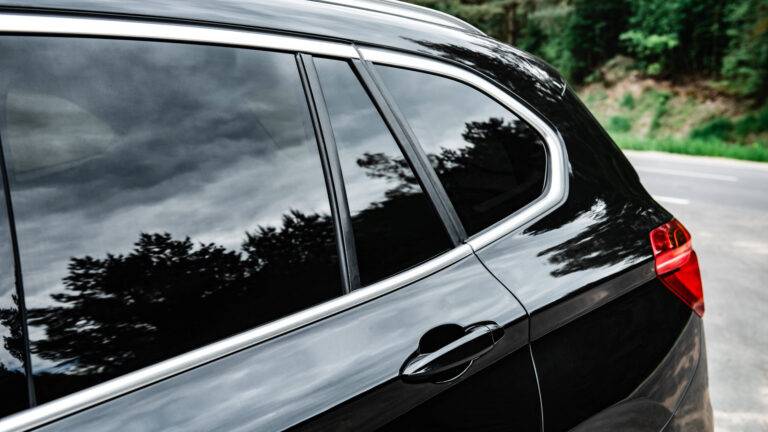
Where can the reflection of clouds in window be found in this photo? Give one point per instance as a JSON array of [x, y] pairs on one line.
[[456, 103], [205, 142], [196, 213], [40, 131]]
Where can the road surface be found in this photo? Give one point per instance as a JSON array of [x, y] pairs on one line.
[[724, 204]]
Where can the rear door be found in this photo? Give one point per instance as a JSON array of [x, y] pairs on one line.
[[221, 238]]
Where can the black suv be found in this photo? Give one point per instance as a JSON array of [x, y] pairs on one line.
[[323, 215]]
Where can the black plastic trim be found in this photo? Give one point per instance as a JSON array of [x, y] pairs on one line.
[[332, 170]]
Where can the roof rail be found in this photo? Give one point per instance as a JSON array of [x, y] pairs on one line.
[[407, 10]]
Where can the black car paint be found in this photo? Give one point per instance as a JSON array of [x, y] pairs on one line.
[[560, 267]]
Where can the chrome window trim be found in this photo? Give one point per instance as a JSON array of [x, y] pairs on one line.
[[120, 28], [557, 186]]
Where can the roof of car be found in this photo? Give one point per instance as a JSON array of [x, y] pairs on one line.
[[271, 14]]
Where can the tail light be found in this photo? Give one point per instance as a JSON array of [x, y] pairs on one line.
[[676, 263]]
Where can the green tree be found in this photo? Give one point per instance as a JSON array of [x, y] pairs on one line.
[[592, 34], [745, 65]]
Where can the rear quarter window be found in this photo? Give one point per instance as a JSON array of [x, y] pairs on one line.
[[489, 160]]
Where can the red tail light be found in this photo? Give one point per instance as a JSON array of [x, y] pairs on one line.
[[677, 265]]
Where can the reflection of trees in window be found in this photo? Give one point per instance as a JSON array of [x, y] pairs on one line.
[[13, 343], [393, 169], [168, 296], [400, 231], [500, 171], [489, 178], [13, 385]]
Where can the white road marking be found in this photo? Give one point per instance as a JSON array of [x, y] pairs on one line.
[[671, 200], [740, 420], [753, 247], [699, 161], [692, 174]]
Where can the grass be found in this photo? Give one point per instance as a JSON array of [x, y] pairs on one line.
[[692, 146], [660, 120]]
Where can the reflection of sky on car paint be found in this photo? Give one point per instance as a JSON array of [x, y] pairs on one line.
[[188, 156]]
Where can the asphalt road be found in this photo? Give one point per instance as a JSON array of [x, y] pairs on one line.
[[724, 204]]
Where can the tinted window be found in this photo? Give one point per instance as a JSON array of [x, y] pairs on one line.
[[394, 224], [166, 196], [13, 385], [490, 162]]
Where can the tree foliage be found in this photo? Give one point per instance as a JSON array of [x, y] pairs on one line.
[[725, 40]]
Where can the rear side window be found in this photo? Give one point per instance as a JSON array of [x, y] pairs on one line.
[[166, 196], [490, 161], [395, 226]]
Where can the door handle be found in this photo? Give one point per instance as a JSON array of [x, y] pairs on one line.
[[477, 340]]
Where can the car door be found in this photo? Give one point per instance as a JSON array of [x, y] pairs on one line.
[[228, 238]]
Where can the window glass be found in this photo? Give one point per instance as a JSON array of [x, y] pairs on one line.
[[13, 380], [166, 196], [490, 161], [395, 226]]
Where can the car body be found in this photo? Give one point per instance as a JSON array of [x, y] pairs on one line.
[[438, 234]]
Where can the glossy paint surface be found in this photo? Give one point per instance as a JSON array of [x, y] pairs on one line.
[[661, 400], [354, 356], [600, 230], [694, 410], [610, 352]]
